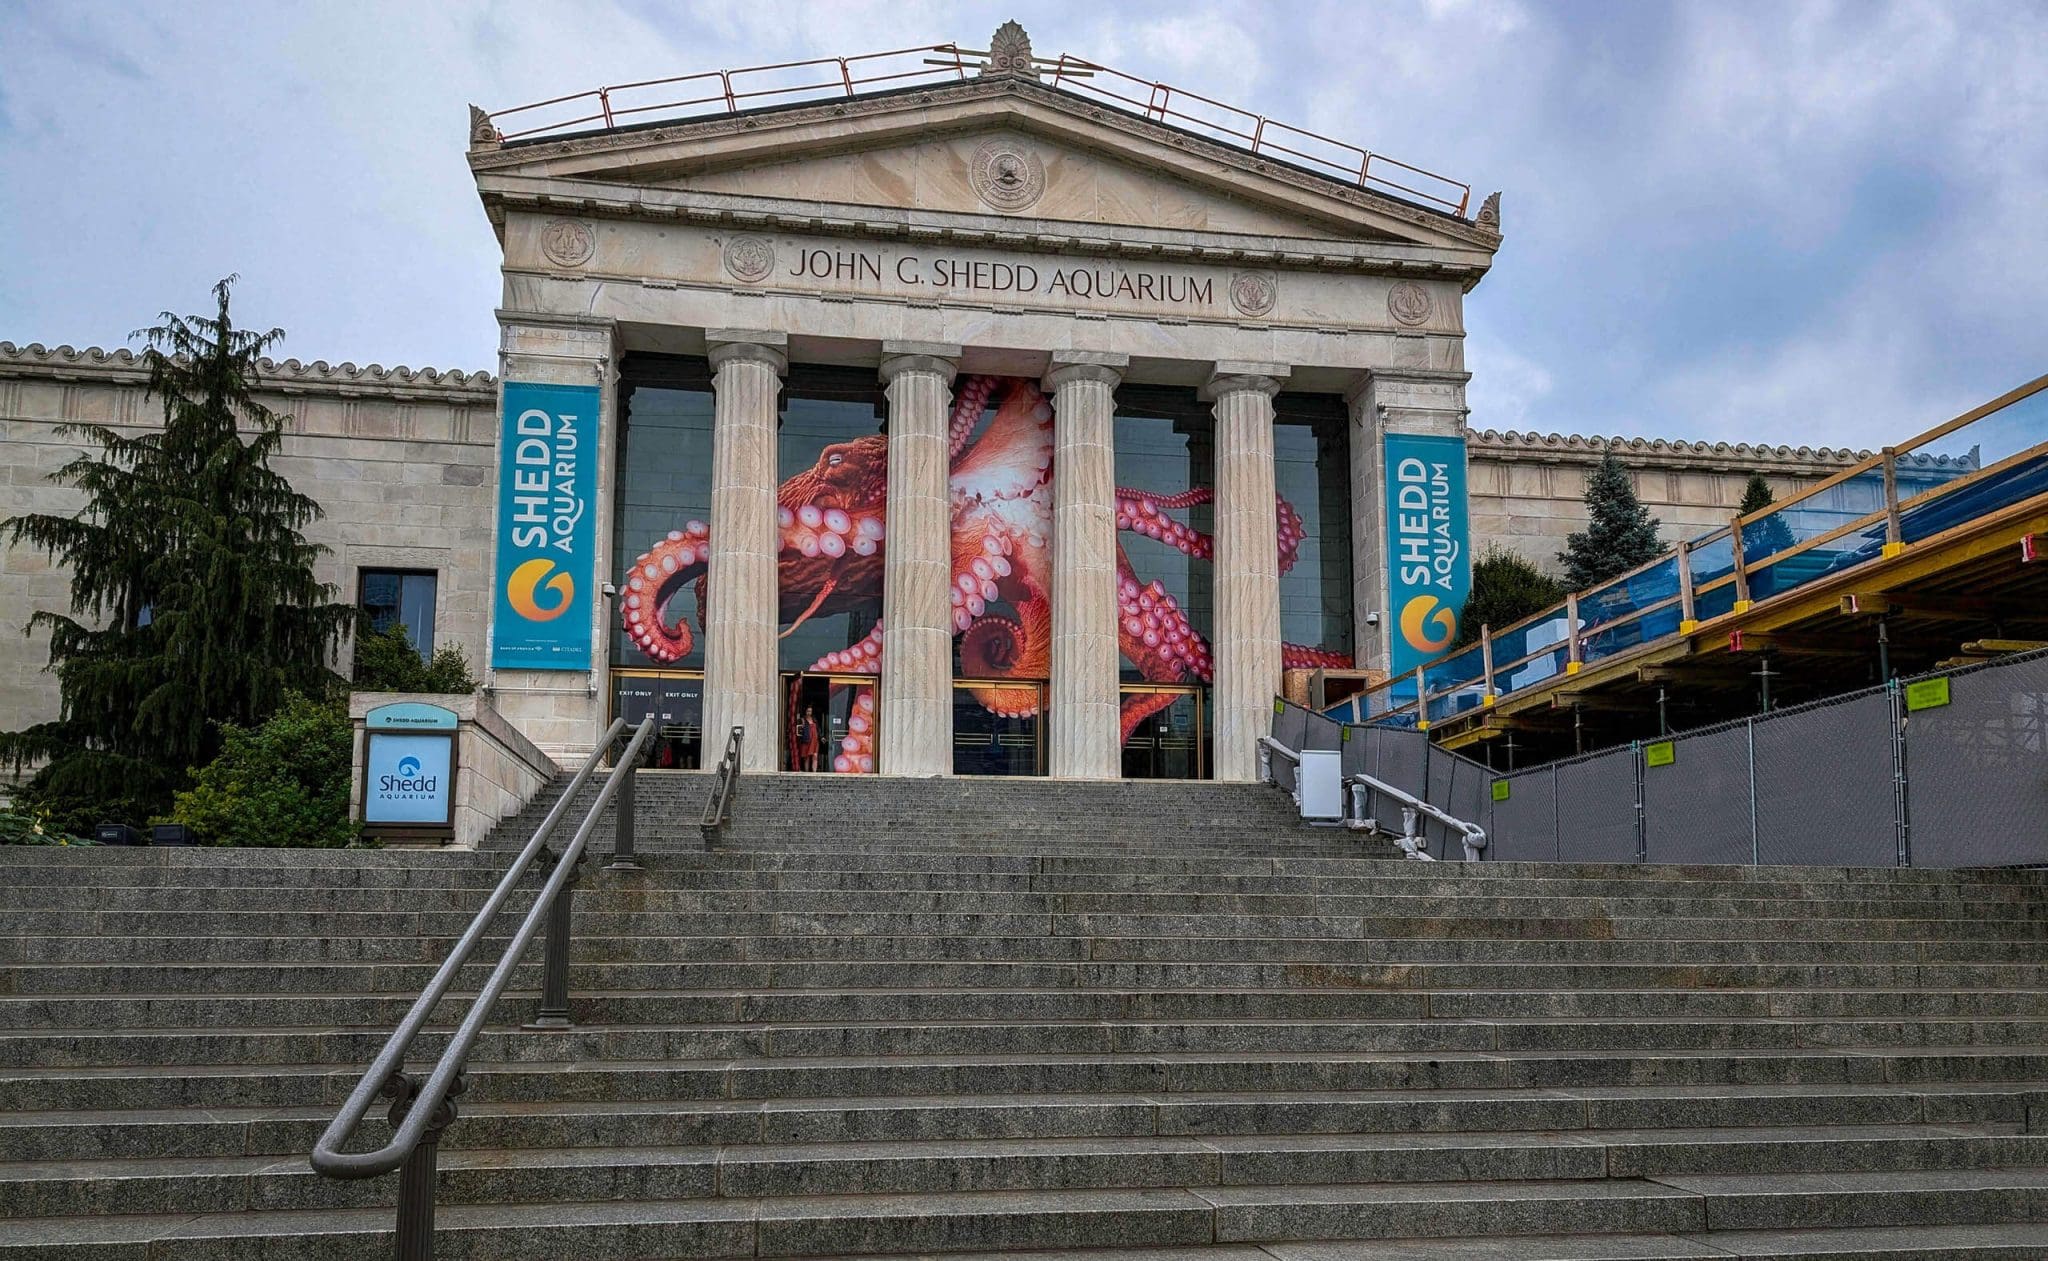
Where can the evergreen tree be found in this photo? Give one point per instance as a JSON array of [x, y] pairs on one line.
[[1620, 533], [193, 600], [1769, 536], [1756, 494], [1506, 588]]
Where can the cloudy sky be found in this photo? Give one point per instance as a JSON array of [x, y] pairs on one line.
[[1806, 222]]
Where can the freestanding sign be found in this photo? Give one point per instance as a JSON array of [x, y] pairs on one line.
[[1429, 563], [409, 768], [547, 526]]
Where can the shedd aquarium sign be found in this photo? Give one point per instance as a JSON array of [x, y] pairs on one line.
[[547, 527], [409, 766], [1429, 563]]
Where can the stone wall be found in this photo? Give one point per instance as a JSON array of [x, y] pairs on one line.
[[498, 770], [400, 460], [1528, 490]]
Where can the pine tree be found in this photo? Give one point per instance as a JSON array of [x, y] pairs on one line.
[[1769, 536], [1620, 533], [1506, 588], [193, 598], [1756, 494]]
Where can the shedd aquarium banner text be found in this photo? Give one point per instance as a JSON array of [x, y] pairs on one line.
[[1429, 565], [547, 526]]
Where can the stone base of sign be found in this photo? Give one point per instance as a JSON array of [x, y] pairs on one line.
[[498, 770]]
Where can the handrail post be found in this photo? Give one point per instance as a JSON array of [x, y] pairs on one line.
[[1686, 620], [418, 1176], [1572, 659], [624, 854], [1486, 691], [1741, 575], [554, 967], [1894, 527]]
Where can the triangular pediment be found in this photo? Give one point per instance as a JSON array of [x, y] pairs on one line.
[[1001, 146]]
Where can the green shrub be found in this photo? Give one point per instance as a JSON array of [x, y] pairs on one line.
[[283, 783], [19, 826], [1506, 588], [386, 661]]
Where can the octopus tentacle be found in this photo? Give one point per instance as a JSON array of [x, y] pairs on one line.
[[856, 755], [968, 405], [658, 573], [1153, 631], [1310, 657], [863, 657]]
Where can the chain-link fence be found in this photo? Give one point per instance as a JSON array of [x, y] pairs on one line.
[[1948, 769]]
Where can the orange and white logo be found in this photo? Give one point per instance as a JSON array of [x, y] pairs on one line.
[[523, 588], [1428, 631]]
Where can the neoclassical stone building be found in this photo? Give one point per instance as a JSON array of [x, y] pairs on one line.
[[996, 427]]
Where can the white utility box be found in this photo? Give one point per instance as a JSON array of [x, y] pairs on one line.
[[1321, 785]]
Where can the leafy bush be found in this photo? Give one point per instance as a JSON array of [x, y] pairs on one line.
[[386, 661], [1506, 588], [25, 827], [283, 783]]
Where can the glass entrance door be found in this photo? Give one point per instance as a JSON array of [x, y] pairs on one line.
[[676, 700], [1171, 742], [985, 740], [842, 710]]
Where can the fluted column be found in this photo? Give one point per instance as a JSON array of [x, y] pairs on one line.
[[1083, 707], [1247, 648], [740, 617], [917, 629]]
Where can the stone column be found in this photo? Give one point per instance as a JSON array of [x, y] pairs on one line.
[[917, 627], [1398, 401], [1247, 648], [739, 586], [1083, 707]]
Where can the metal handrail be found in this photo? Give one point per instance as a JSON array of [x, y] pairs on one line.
[[1411, 840], [420, 1111], [1268, 746], [718, 806]]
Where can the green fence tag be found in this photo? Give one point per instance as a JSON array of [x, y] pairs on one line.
[[1279, 706], [1926, 694], [1662, 753], [1347, 735], [1500, 790]]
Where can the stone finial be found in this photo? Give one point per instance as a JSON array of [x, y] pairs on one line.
[[481, 132], [1009, 52], [1489, 213]]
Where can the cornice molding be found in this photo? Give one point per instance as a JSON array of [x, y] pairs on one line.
[[1581, 449], [286, 376]]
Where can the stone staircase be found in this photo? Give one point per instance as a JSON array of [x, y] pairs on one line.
[[970, 1018]]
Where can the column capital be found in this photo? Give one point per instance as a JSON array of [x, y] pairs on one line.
[[939, 359], [1084, 365], [1241, 376], [747, 345]]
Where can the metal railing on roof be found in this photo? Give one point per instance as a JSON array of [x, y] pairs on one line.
[[715, 92], [1984, 461]]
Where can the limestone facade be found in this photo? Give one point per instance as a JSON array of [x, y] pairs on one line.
[[994, 226]]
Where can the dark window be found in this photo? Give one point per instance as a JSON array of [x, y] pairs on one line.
[[403, 597]]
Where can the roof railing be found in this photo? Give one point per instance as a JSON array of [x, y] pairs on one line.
[[713, 92]]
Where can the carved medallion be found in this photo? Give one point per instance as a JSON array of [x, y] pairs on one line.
[[749, 259], [567, 242], [1409, 303], [1006, 176], [1253, 293]]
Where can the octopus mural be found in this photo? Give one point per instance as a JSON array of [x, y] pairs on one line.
[[834, 532]]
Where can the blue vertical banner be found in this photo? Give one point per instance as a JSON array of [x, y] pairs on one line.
[[547, 526], [1429, 544]]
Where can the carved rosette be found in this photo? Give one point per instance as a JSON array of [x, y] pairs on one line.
[[567, 242], [1253, 293], [749, 259], [1006, 176], [1409, 303]]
